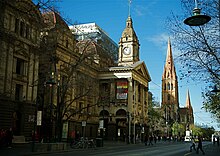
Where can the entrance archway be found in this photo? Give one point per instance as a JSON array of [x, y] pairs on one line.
[[121, 125], [104, 115]]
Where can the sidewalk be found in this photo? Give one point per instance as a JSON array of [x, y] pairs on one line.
[[26, 149], [210, 150]]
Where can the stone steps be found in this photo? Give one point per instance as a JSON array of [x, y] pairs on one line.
[[19, 139]]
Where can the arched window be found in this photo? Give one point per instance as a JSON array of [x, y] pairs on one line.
[[168, 86], [168, 74], [168, 97], [171, 86], [165, 86]]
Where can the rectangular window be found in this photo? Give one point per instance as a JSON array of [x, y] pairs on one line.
[[67, 43], [27, 32], [18, 92], [22, 29], [80, 106], [20, 66], [139, 93], [88, 108], [16, 25]]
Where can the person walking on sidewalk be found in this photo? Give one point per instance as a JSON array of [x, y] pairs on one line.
[[193, 145], [218, 140], [9, 137], [199, 146], [145, 140], [151, 140]]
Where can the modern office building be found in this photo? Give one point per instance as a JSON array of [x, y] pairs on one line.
[[91, 31]]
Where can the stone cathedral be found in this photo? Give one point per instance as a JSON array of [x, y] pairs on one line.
[[172, 112]]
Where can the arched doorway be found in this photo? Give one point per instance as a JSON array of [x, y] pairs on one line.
[[16, 123], [121, 125], [104, 115]]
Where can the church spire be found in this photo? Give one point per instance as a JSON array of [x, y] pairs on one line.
[[169, 53], [169, 68], [188, 102], [190, 109], [170, 94]]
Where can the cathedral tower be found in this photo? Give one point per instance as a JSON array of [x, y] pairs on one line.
[[190, 109], [170, 99]]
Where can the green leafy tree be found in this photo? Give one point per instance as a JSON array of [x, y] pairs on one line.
[[177, 129], [197, 131], [155, 117], [205, 132]]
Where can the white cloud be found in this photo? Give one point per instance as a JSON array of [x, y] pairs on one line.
[[161, 40], [147, 9]]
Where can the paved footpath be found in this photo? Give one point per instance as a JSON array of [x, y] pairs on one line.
[[26, 149], [210, 150]]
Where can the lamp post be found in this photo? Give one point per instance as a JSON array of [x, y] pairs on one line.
[[197, 19], [35, 122], [215, 90], [51, 82]]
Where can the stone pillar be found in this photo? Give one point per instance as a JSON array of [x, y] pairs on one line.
[[129, 107]]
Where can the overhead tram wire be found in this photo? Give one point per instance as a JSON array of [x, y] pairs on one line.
[[195, 113]]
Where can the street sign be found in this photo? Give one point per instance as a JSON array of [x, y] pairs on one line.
[[101, 124], [83, 123]]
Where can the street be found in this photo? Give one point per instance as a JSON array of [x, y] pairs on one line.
[[160, 149]]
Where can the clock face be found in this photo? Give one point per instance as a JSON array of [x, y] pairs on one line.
[[127, 50]]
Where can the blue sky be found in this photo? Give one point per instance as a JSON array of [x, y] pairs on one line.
[[149, 20]]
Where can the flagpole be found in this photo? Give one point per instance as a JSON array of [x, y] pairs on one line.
[[129, 8]]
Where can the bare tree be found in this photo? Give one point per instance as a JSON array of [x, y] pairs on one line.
[[199, 48], [65, 66]]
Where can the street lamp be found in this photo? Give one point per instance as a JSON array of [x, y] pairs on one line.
[[215, 90], [51, 82], [197, 19]]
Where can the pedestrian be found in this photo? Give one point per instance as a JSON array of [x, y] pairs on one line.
[[199, 146], [193, 145], [218, 140], [9, 137], [155, 139], [214, 140], [145, 140], [150, 140], [78, 136]]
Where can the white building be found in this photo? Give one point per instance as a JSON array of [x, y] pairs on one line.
[[91, 31]]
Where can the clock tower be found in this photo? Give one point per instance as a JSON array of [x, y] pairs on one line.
[[128, 45]]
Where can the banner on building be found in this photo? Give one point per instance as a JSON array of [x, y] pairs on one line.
[[39, 118], [122, 90], [65, 130]]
